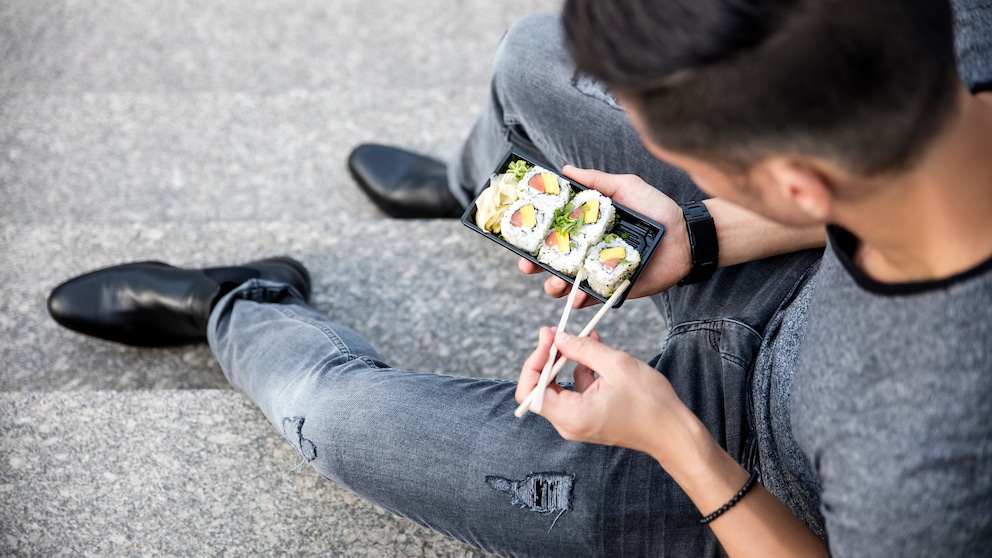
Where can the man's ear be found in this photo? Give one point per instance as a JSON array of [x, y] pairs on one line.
[[803, 185]]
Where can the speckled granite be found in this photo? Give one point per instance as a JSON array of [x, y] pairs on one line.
[[211, 133], [176, 473], [65, 46], [210, 156]]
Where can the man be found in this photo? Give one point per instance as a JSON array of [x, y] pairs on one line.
[[876, 438], [892, 151]]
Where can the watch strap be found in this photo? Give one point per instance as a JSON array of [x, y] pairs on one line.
[[703, 243]]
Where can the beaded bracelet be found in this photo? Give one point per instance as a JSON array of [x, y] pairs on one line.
[[737, 497]]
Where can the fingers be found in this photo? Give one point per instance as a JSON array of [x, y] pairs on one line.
[[605, 183], [592, 178], [589, 353], [531, 371], [528, 267], [556, 287], [583, 375]]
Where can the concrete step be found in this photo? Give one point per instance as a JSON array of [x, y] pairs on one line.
[[61, 46], [212, 133], [430, 295], [176, 473], [211, 157], [184, 111]]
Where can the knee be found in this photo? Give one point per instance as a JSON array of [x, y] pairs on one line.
[[532, 31], [529, 52]]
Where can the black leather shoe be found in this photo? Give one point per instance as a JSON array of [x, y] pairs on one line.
[[403, 184], [152, 304]]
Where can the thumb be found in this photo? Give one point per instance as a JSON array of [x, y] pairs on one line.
[[605, 183]]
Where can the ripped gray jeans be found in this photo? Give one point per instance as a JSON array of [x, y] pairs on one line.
[[447, 452]]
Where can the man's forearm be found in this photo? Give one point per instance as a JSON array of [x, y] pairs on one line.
[[745, 236], [758, 524]]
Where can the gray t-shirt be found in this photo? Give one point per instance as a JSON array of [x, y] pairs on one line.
[[973, 42], [882, 439], [892, 405], [785, 471]]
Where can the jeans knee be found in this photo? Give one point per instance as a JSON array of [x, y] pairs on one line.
[[533, 28], [292, 430], [526, 53]]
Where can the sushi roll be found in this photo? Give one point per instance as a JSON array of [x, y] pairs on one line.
[[563, 252], [597, 214], [609, 263], [526, 224], [545, 187]]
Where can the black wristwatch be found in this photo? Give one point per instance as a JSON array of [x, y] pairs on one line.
[[702, 242]]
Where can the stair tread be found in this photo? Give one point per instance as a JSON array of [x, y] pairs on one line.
[[177, 473]]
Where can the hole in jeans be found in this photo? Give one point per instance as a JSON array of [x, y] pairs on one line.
[[544, 493]]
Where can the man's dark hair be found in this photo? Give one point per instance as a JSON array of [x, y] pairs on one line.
[[864, 83]]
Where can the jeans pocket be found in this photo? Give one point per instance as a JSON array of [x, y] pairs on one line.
[[709, 365]]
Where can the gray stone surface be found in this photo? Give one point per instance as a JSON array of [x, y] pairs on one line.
[[212, 133], [146, 158], [60, 46], [176, 473]]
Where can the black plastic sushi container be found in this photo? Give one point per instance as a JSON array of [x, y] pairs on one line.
[[642, 233]]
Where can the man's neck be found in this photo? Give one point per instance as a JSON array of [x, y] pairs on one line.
[[935, 221]]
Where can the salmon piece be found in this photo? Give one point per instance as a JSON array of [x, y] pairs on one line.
[[537, 182], [558, 241], [517, 220], [612, 263], [576, 212], [525, 217], [611, 257]]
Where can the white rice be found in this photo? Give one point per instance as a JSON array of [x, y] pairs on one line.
[[569, 262], [605, 282], [527, 238], [554, 200], [594, 232]]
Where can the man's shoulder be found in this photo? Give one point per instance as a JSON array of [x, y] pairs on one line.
[[890, 404], [973, 42], [920, 352]]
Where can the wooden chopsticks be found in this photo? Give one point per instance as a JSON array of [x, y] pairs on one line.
[[535, 398]]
